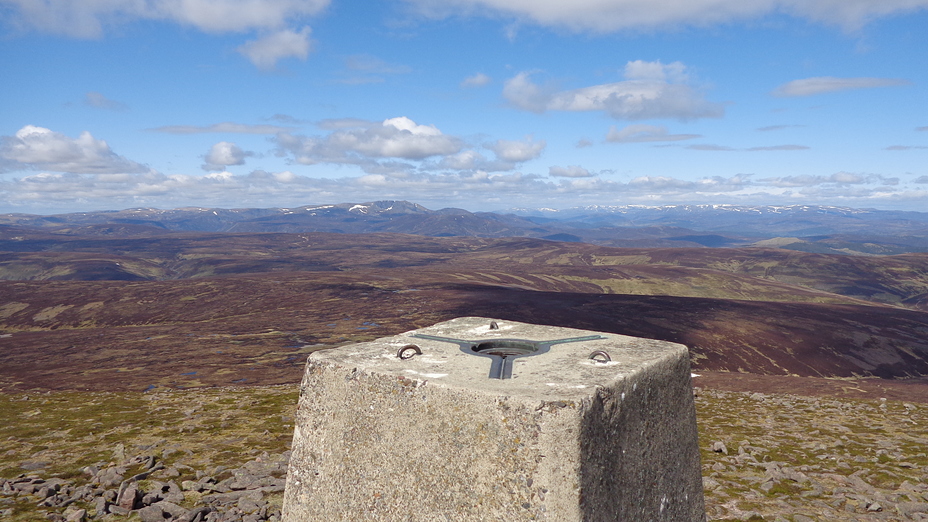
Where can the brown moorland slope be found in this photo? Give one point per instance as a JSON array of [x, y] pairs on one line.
[[741, 273], [218, 309]]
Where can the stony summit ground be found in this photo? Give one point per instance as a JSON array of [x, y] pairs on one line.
[[219, 454]]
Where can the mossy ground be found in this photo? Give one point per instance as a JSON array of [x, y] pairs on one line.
[[56, 434]]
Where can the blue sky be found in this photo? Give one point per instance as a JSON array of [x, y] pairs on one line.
[[478, 104]]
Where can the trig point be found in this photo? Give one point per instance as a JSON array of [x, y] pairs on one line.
[[483, 419]]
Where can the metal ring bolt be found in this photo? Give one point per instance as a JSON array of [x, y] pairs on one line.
[[401, 353], [603, 356]]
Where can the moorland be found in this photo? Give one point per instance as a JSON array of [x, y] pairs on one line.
[[109, 313]]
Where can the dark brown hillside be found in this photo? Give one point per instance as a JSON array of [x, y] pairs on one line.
[[180, 310], [132, 335]]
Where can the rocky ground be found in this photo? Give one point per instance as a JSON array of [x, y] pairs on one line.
[[782, 457], [220, 454]]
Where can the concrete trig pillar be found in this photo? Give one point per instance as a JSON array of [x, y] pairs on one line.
[[475, 419]]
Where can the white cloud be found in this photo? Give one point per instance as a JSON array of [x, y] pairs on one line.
[[39, 148], [477, 80], [522, 93], [651, 90], [617, 15], [400, 146], [404, 123], [99, 101], [645, 133], [266, 51], [571, 171], [224, 154], [656, 71], [464, 160], [224, 127], [517, 151], [475, 190], [367, 142], [826, 84], [88, 18], [906, 147], [921, 128]]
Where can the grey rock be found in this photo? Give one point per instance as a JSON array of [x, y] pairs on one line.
[[197, 515], [75, 515], [909, 508], [101, 506], [719, 447], [172, 509], [129, 498], [248, 505], [110, 477], [151, 513]]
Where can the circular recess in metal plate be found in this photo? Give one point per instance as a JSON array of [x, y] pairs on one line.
[[506, 348]]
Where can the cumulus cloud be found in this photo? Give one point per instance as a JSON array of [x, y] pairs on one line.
[[651, 90], [464, 160], [266, 51], [224, 154], [571, 171], [400, 146], [617, 15], [921, 179], [38, 148], [826, 84], [224, 127], [517, 151], [645, 133], [477, 80], [99, 101], [88, 18], [398, 137]]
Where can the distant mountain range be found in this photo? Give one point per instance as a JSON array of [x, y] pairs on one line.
[[810, 228]]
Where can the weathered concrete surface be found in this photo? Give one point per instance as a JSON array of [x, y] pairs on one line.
[[433, 438]]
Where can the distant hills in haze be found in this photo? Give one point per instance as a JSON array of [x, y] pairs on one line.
[[809, 228]]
